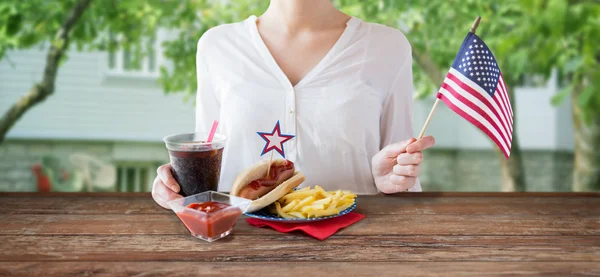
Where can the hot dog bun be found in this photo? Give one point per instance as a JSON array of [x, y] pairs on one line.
[[257, 171]]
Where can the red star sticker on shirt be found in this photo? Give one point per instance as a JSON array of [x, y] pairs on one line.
[[274, 140]]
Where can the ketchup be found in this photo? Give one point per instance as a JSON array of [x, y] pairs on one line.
[[271, 180], [208, 207], [209, 219]]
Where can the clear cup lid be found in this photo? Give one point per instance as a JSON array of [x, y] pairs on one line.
[[194, 141]]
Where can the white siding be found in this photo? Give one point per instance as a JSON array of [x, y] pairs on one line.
[[88, 104], [136, 151]]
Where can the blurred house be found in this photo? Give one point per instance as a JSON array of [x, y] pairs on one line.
[[104, 105], [111, 108]]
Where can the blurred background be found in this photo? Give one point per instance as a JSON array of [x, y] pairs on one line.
[[89, 88]]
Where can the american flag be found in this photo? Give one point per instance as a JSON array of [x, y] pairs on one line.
[[474, 88]]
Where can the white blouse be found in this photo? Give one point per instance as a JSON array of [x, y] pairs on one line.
[[355, 101]]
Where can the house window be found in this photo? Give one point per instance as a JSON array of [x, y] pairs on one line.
[[137, 61], [135, 176]]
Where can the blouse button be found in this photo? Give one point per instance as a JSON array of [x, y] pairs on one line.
[[291, 111]]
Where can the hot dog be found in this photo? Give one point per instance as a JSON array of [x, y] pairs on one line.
[[254, 184], [279, 173]]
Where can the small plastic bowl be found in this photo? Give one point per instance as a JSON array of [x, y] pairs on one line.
[[209, 226]]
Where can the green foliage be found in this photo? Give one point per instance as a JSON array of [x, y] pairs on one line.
[[438, 27], [24, 24], [528, 37], [572, 46], [197, 17]]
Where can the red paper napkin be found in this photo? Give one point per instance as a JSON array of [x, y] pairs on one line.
[[318, 229]]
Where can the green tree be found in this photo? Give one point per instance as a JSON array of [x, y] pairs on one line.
[[572, 30], [12, 35], [58, 25], [93, 25]]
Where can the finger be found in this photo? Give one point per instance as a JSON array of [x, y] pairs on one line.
[[402, 183], [407, 170], [420, 144], [162, 191], [160, 200], [410, 158], [395, 149], [166, 176]]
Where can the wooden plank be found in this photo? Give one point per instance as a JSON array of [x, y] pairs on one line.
[[341, 269], [79, 205], [481, 205], [501, 225], [240, 248], [574, 206]]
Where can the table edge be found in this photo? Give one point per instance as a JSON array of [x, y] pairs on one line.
[[399, 195]]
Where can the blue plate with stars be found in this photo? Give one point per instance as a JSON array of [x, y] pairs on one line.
[[264, 214]]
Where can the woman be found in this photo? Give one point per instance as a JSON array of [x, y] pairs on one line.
[[342, 86]]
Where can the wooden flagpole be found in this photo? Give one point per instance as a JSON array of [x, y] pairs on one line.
[[270, 161], [437, 101]]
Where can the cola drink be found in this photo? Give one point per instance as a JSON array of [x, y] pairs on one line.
[[195, 163]]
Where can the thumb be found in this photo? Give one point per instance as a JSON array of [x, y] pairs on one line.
[[395, 149]]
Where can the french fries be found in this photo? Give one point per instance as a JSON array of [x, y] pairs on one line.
[[280, 211], [312, 203]]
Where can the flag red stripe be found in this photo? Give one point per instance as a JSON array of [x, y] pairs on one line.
[[502, 110], [504, 101], [478, 110], [483, 100], [503, 104], [476, 116], [473, 121], [500, 97], [505, 96]]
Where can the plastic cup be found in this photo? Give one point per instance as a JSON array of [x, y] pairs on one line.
[[196, 163]]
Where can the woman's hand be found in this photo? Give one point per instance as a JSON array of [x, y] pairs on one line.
[[396, 167], [165, 187]]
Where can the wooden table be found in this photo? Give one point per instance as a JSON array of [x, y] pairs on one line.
[[415, 234]]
